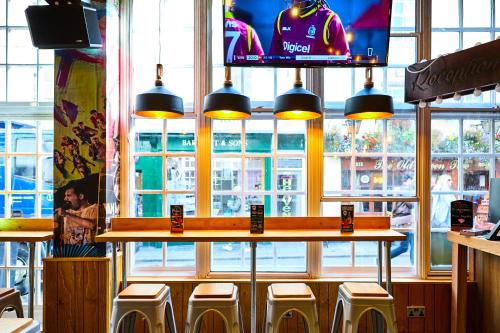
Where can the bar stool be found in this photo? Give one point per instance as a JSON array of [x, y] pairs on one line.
[[19, 325], [219, 297], [354, 299], [11, 298], [285, 297], [153, 301]]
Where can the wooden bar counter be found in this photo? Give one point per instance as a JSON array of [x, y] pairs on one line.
[[488, 279]]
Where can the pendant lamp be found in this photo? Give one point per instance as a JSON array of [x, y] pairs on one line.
[[297, 103], [159, 102], [369, 103], [227, 103]]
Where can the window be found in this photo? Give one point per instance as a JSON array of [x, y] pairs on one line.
[[26, 147], [465, 155], [375, 158], [259, 161], [466, 23], [164, 164]]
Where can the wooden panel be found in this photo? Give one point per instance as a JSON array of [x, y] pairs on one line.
[[25, 236], [401, 301], [429, 308], [77, 295], [416, 296], [21, 224], [475, 243], [442, 306], [50, 296], [242, 223], [458, 288], [488, 293]]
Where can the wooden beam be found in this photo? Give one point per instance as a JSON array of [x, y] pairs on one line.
[[459, 289]]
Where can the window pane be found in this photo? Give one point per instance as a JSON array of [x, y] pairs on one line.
[[47, 136], [291, 136], [226, 174], [402, 58], [46, 84], [471, 38], [23, 173], [259, 84], [3, 17], [338, 170], [335, 92], [46, 56], [3, 44], [291, 205], [291, 174], [181, 173], [180, 254], [403, 219], [187, 200], [259, 136], [47, 205], [3, 91], [148, 135], [22, 205], [181, 136], [147, 254], [477, 13], [497, 168], [47, 164], [401, 136], [338, 138], [396, 84], [20, 50], [444, 136], [226, 136], [2, 205], [149, 205], [366, 254], [401, 175], [2, 136], [369, 136], [497, 13], [476, 174], [258, 174], [369, 174], [226, 205], [497, 136], [23, 137], [22, 83], [2, 173], [148, 166], [444, 176], [450, 7], [477, 136], [16, 11], [403, 15], [444, 42], [337, 254]]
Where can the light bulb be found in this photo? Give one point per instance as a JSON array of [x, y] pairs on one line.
[[422, 104], [457, 96], [497, 88], [423, 60], [439, 100], [477, 44], [477, 92], [458, 50], [498, 37]]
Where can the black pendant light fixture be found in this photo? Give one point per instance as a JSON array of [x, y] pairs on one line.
[[297, 103], [369, 103], [227, 103], [159, 102]]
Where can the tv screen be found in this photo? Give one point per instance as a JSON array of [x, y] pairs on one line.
[[307, 33]]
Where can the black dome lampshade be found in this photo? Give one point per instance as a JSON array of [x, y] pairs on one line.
[[227, 103], [159, 102], [297, 103], [369, 103]]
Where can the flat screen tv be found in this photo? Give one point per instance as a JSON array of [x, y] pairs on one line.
[[307, 33]]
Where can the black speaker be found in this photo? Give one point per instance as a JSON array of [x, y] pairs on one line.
[[63, 27]]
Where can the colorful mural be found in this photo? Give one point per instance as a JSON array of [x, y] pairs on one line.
[[85, 137]]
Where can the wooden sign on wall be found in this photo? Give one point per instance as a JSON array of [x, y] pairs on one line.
[[463, 71]]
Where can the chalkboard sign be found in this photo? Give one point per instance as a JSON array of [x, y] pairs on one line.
[[347, 218], [461, 215], [256, 219], [176, 219]]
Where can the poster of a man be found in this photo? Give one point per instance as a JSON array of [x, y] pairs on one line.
[[79, 217]]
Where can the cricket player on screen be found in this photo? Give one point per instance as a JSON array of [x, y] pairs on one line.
[[240, 39], [308, 27]]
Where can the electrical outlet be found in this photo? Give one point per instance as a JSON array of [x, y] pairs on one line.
[[415, 311], [288, 315]]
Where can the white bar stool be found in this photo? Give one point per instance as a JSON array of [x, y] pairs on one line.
[[219, 297], [19, 325], [354, 299], [11, 298], [153, 301], [285, 297]]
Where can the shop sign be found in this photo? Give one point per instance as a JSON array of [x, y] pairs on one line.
[[475, 67], [444, 165], [286, 185], [181, 142]]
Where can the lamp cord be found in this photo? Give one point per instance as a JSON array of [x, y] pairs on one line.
[[159, 31], [426, 67]]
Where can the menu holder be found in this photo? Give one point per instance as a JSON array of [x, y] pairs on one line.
[[347, 218], [494, 234], [461, 215], [176, 219], [256, 219]]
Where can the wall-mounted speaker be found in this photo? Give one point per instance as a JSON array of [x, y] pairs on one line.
[[63, 27]]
